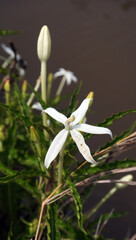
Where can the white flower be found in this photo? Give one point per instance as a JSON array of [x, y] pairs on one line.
[[10, 52], [37, 106], [73, 127], [67, 74]]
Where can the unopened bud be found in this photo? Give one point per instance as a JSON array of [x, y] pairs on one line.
[[50, 77], [126, 178], [90, 96], [44, 44], [34, 135], [24, 88], [7, 86]]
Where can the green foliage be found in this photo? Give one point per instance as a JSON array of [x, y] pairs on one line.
[[52, 223], [78, 204], [17, 114], [110, 120], [73, 100], [25, 183], [105, 167], [8, 32]]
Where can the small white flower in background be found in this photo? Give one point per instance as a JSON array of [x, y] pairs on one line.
[[67, 74], [73, 126], [20, 63], [10, 52], [37, 106]]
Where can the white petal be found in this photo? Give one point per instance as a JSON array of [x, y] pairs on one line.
[[8, 50], [81, 111], [56, 115], [55, 147], [37, 106], [83, 148], [61, 72], [68, 77], [18, 57], [74, 79], [57, 74], [93, 129]]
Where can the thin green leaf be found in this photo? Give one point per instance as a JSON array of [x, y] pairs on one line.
[[73, 101], [110, 120], [116, 139], [52, 223], [37, 95], [17, 114], [18, 177], [107, 167], [23, 105], [78, 203], [14, 176], [9, 32]]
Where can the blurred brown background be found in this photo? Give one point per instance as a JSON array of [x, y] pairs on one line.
[[97, 41]]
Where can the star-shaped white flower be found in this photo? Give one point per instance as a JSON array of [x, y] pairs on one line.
[[72, 126], [10, 52], [37, 106], [69, 76]]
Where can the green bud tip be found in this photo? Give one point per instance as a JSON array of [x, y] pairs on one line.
[[7, 86], [90, 95], [24, 86], [50, 77], [34, 135]]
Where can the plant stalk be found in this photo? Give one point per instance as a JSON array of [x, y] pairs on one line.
[[60, 168], [36, 88], [63, 80], [44, 94], [103, 200]]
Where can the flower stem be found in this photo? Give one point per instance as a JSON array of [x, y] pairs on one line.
[[103, 200], [7, 62], [50, 79], [43, 93], [36, 88], [60, 168], [61, 86]]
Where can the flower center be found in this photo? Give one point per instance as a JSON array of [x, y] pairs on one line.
[[67, 123]]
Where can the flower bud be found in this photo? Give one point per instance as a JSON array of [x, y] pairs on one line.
[[50, 77], [44, 44], [7, 86], [24, 88], [90, 95], [126, 178]]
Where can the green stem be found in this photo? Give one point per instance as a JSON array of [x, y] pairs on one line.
[[43, 93], [43, 81], [60, 168], [7, 62], [103, 200], [50, 78], [61, 86], [36, 88]]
